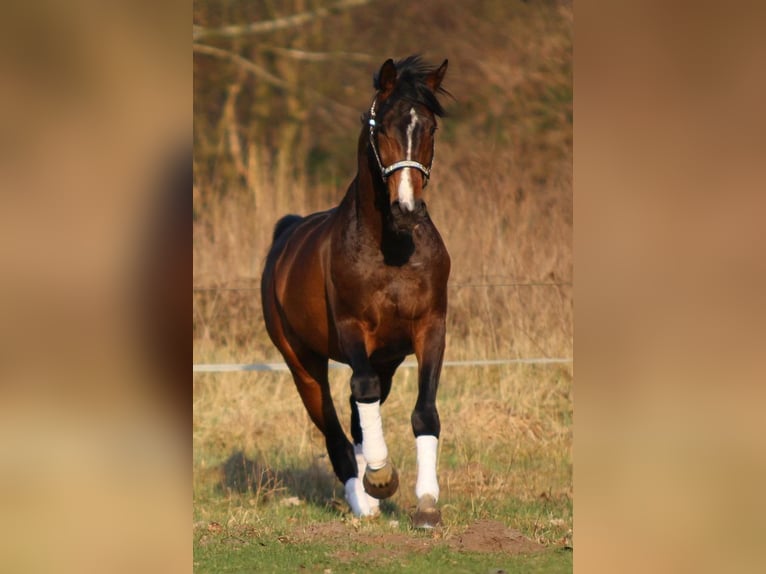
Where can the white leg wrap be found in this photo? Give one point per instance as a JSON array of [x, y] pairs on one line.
[[361, 463], [357, 497], [427, 446], [373, 443]]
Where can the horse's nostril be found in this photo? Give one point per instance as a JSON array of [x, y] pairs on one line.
[[417, 206], [405, 207]]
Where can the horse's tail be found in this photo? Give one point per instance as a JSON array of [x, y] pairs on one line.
[[284, 224]]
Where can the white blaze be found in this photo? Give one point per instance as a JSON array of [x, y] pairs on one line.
[[406, 190]]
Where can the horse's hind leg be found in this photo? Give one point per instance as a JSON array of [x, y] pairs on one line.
[[309, 372], [310, 376]]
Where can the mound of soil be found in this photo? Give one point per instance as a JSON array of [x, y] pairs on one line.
[[481, 536], [387, 544], [493, 536]]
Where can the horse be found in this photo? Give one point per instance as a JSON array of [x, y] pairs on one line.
[[365, 283]]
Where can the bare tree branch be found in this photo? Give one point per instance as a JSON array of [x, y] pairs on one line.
[[317, 56], [243, 63], [198, 32], [268, 77]]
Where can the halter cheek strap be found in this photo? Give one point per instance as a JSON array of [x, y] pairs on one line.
[[386, 171]]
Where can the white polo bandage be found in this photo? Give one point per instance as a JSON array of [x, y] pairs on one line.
[[373, 443], [427, 447]]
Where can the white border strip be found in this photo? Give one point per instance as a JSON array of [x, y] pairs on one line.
[[235, 367]]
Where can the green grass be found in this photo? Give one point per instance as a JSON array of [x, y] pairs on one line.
[[265, 498], [272, 537], [254, 554]]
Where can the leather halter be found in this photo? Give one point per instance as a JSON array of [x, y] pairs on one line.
[[386, 171]]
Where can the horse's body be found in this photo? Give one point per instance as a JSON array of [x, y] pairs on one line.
[[365, 283]]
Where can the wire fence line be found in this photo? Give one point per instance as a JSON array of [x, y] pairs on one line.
[[243, 367], [210, 288], [500, 281]]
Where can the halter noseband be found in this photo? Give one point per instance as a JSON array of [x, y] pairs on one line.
[[386, 171]]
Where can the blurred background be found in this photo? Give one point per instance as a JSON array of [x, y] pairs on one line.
[[95, 111], [94, 100]]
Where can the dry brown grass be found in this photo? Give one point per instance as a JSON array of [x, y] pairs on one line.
[[501, 192], [500, 227], [505, 452], [498, 236], [506, 436]]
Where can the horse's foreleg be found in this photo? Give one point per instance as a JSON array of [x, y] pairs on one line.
[[385, 374], [361, 503], [380, 478], [429, 350]]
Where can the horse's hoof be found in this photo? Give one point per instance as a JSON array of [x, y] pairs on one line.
[[427, 515], [381, 483]]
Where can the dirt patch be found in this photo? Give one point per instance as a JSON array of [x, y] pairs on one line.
[[395, 545], [385, 548], [324, 531], [481, 536], [493, 536], [382, 546]]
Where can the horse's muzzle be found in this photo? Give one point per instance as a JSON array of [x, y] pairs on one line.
[[403, 220], [399, 210]]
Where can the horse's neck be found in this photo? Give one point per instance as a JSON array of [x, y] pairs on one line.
[[364, 205], [367, 223]]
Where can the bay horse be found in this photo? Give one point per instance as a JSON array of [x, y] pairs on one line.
[[365, 284]]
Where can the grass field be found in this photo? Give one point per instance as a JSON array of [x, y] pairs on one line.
[[265, 498]]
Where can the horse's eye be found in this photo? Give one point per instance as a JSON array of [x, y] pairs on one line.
[[433, 130]]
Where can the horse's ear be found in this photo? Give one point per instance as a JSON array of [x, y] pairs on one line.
[[434, 79], [386, 77]]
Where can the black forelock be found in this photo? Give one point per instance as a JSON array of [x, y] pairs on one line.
[[411, 74]]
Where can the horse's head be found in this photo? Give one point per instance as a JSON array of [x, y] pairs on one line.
[[402, 124]]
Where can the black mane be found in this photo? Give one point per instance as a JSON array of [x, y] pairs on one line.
[[411, 73]]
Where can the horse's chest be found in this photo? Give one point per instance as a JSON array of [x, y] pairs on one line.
[[399, 299], [388, 299]]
